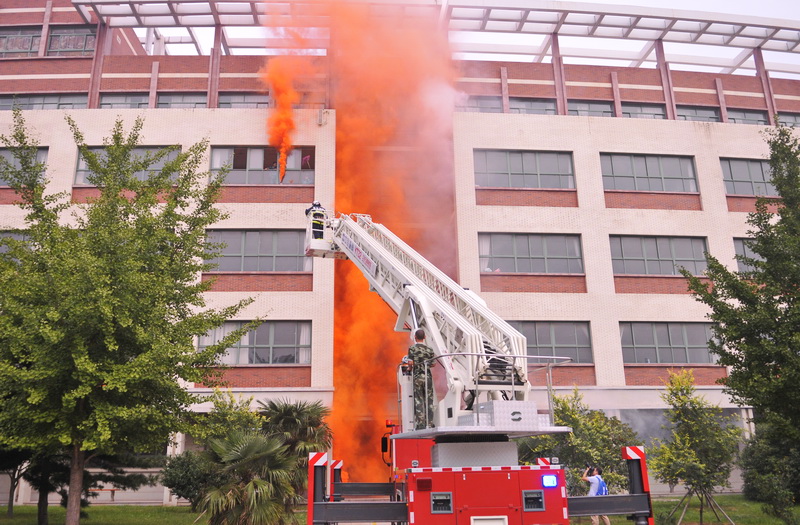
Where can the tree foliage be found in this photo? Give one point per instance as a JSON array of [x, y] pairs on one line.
[[227, 412], [190, 475], [100, 302], [596, 440], [756, 313], [703, 447]]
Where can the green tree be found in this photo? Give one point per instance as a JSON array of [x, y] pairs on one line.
[[190, 475], [13, 463], [257, 472], [302, 427], [756, 313], [596, 440], [703, 447], [99, 304], [226, 413]]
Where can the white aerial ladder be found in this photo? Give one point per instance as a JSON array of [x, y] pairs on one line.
[[481, 358]]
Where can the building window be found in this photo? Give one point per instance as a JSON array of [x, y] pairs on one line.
[[71, 42], [181, 100], [657, 255], [530, 253], [743, 250], [790, 119], [747, 116], [10, 235], [41, 157], [747, 177], [535, 106], [83, 172], [259, 165], [483, 105], [590, 109], [260, 251], [271, 343], [19, 42], [523, 169], [653, 111], [696, 113], [244, 100], [8, 102], [648, 172], [556, 339], [130, 100], [667, 343]]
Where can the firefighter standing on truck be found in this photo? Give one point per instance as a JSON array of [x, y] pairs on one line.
[[420, 356], [317, 214]]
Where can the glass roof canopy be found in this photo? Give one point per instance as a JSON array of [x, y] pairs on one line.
[[503, 30]]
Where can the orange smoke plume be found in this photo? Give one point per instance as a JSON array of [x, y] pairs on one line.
[[281, 74], [390, 81]]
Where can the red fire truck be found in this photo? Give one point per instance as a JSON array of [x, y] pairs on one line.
[[463, 467]]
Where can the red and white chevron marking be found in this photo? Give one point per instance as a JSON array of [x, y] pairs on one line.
[[543, 462], [478, 469], [318, 459], [633, 452], [337, 463]]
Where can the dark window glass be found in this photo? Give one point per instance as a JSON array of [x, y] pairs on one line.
[[259, 165], [747, 116], [747, 177], [666, 342], [556, 339], [648, 172], [71, 41], [633, 255], [530, 253], [536, 106], [8, 102], [590, 109], [19, 43], [82, 172], [129, 100], [244, 100], [652, 111], [181, 100], [743, 250], [271, 343], [523, 169], [260, 251], [41, 156], [697, 113]]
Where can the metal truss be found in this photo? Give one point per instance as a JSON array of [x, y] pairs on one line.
[[511, 30]]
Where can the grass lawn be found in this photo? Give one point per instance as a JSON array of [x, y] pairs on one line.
[[741, 511]]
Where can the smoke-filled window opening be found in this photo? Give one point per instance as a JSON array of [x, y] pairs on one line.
[[668, 173], [594, 108], [260, 251], [532, 106], [71, 41], [20, 42], [83, 172], [530, 253], [523, 169], [556, 339], [259, 165], [747, 177], [271, 343], [5, 153], [656, 255], [667, 343], [482, 104], [244, 100]]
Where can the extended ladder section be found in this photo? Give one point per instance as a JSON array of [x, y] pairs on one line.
[[481, 356]]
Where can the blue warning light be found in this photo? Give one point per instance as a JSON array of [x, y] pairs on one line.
[[549, 480]]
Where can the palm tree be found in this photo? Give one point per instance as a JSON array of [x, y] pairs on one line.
[[258, 471], [302, 427]]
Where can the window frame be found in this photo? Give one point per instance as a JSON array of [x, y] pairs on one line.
[[649, 162], [604, 108], [532, 330], [37, 101], [86, 34], [748, 116], [31, 50], [638, 110], [41, 157], [82, 171], [653, 346], [252, 347], [185, 100], [525, 105], [524, 166], [272, 254], [126, 101], [642, 256], [265, 101], [539, 259], [482, 104], [691, 113], [733, 185], [741, 249]]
